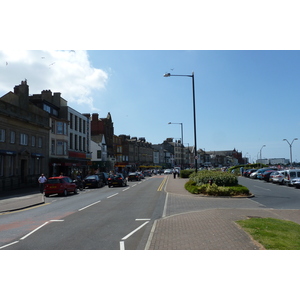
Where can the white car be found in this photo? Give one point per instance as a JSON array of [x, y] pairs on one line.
[[277, 177], [168, 171], [296, 182]]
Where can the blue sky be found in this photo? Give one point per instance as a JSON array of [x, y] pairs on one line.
[[244, 99]]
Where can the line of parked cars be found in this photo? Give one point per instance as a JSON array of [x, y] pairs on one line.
[[290, 177], [63, 185]]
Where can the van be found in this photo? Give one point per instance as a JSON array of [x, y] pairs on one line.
[[290, 175]]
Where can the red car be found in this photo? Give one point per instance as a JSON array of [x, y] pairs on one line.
[[61, 185]]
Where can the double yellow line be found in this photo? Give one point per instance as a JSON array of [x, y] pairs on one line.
[[162, 184]]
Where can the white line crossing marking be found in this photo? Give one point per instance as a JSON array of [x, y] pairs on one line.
[[132, 232]]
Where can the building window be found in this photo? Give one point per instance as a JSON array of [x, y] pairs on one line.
[[80, 143], [99, 154], [80, 125], [33, 141], [75, 125], [10, 162], [1, 165], [2, 135], [59, 148], [59, 128], [83, 144], [47, 108], [71, 121], [12, 137], [83, 126], [76, 142], [40, 142], [52, 147], [24, 139], [71, 140]]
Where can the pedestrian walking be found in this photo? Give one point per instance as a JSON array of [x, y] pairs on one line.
[[174, 173], [42, 179]]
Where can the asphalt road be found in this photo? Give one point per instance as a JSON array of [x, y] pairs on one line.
[[272, 195], [95, 219]]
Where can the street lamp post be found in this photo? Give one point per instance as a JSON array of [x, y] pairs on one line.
[[194, 109], [260, 152], [290, 144], [181, 152]]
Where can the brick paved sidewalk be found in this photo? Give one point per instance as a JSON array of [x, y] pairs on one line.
[[188, 225]]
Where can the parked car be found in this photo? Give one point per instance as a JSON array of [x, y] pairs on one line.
[[290, 175], [141, 175], [117, 180], [266, 175], [147, 173], [277, 177], [62, 185], [261, 171], [104, 177], [168, 171], [93, 181], [248, 172], [296, 182], [134, 176]]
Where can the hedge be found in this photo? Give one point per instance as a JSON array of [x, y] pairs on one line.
[[217, 177]]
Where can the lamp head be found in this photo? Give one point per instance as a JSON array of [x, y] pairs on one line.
[[167, 75]]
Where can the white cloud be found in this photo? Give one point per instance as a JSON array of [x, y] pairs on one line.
[[67, 72]]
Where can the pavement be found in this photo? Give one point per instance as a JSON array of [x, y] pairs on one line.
[[189, 222]]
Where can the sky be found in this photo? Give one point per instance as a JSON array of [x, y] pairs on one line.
[[245, 99]]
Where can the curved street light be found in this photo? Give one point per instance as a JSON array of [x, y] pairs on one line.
[[194, 109], [290, 144]]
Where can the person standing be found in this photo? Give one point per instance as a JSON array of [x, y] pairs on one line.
[[42, 179]]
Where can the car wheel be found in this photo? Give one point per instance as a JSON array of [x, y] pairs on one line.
[[76, 191], [65, 193], [47, 195]]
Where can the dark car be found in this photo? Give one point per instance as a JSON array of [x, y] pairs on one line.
[[266, 175], [248, 172], [147, 173], [117, 180], [134, 176], [93, 181], [61, 185]]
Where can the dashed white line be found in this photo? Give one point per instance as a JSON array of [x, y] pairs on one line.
[[88, 205], [112, 195]]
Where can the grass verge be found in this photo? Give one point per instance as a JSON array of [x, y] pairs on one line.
[[273, 234]]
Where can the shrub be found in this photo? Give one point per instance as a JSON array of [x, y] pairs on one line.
[[186, 173], [217, 177]]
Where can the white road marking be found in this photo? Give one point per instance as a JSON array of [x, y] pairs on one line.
[[122, 245], [262, 188], [132, 232], [165, 206], [142, 219], [133, 185], [27, 235], [88, 205], [112, 195], [126, 189], [9, 244]]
